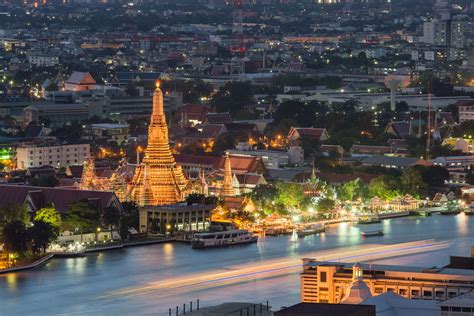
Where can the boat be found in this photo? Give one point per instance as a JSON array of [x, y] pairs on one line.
[[372, 233], [311, 230], [372, 219], [222, 239], [469, 211]]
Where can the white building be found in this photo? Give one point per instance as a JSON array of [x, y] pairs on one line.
[[34, 155], [43, 60], [444, 33]]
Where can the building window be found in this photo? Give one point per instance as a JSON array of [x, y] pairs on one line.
[[378, 290], [427, 294], [323, 277], [403, 292], [415, 294]]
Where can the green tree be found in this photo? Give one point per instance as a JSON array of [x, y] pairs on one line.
[[434, 176], [325, 205], [111, 217], [14, 237], [412, 182], [263, 195], [195, 198], [41, 234], [232, 97], [290, 195], [130, 219], [352, 190], [13, 212], [49, 215], [83, 217], [383, 188]]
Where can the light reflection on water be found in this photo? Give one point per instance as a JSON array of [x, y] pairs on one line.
[[73, 285]]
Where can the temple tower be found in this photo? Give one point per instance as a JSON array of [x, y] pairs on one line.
[[228, 188], [158, 180], [88, 178]]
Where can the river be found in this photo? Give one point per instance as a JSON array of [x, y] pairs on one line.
[[150, 279]]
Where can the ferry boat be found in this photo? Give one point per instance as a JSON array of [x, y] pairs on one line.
[[372, 233], [372, 219], [311, 230], [222, 239]]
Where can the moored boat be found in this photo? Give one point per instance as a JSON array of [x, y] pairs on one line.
[[223, 239], [311, 230], [372, 233], [372, 219]]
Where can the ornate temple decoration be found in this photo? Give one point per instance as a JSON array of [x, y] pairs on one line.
[[228, 187], [158, 180]]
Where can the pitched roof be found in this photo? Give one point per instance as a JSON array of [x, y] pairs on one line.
[[239, 164], [311, 132], [61, 198], [395, 161], [192, 111], [78, 77], [218, 118]]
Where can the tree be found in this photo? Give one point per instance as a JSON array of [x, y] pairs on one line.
[[130, 219], [383, 187], [352, 190], [49, 215], [111, 217], [14, 237], [434, 176], [325, 205], [83, 217], [223, 142], [195, 198], [264, 194], [13, 212], [412, 182], [232, 97], [41, 235], [290, 195], [303, 114]]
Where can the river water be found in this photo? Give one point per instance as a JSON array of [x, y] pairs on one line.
[[150, 279]]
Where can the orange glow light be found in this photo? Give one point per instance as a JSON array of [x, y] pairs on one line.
[[158, 83]]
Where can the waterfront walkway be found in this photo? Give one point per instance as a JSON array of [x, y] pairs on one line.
[[98, 247]]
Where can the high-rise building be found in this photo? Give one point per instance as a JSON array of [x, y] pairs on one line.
[[444, 33], [158, 180]]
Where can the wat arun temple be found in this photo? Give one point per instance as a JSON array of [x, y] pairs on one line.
[[158, 180]]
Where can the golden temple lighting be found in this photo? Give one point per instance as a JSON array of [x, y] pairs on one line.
[[158, 180]]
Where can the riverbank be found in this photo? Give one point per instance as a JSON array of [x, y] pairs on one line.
[[91, 249]]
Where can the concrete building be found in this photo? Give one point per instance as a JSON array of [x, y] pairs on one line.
[[42, 60], [168, 218], [329, 282], [444, 33], [34, 155], [110, 132]]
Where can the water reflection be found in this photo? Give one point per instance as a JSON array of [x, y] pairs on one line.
[[76, 283]]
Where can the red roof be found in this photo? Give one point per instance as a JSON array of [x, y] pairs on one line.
[[218, 118], [192, 111], [239, 164], [311, 132], [61, 198]]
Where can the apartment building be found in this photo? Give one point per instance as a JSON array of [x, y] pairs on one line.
[[37, 155], [329, 282]]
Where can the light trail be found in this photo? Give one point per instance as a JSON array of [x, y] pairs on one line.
[[234, 275]]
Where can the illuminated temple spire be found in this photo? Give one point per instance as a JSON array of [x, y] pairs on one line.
[[88, 178], [158, 180], [228, 188]]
